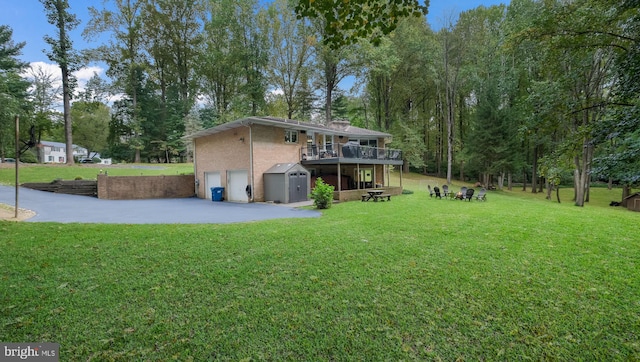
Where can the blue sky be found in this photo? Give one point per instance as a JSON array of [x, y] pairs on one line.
[[29, 24]]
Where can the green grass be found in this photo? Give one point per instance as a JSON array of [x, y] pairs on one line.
[[48, 173], [513, 278]]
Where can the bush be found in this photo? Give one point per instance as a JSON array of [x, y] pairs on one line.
[[28, 157], [322, 194]]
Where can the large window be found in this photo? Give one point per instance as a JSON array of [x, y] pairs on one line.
[[290, 136]]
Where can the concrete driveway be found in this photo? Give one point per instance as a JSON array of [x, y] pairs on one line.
[[51, 207]]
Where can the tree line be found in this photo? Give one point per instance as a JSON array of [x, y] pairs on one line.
[[535, 92]]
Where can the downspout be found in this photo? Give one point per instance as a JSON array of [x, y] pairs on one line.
[[195, 167], [252, 183]]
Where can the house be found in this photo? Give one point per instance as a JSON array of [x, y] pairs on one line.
[[632, 202], [244, 154], [56, 152]]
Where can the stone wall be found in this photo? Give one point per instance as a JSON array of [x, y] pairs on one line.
[[145, 187]]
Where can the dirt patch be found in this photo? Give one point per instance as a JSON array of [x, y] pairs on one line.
[[8, 212]]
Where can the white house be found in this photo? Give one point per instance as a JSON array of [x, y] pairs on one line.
[[56, 152]]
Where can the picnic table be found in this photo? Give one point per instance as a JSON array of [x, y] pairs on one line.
[[376, 194]]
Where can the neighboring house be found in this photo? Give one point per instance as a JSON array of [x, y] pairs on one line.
[[56, 152], [249, 155]]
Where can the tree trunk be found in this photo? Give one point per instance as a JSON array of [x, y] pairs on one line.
[[626, 191], [509, 183], [450, 120], [66, 109], [534, 171]]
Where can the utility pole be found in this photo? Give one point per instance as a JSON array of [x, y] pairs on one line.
[[17, 162]]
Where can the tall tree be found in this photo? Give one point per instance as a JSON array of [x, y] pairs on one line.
[[583, 52], [290, 52], [620, 132], [124, 54], [232, 63], [63, 54], [45, 97], [13, 88]]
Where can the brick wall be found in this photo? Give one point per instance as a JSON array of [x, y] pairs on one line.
[[230, 150], [145, 187]]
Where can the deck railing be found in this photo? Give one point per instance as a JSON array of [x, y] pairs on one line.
[[350, 150]]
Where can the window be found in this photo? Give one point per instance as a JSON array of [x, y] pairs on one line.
[[50, 158], [290, 136]]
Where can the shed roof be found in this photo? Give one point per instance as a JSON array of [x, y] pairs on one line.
[[338, 128], [632, 195], [284, 168]]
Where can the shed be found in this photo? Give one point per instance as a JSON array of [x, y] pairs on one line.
[[632, 202], [286, 183]]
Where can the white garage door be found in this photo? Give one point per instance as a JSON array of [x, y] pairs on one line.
[[212, 179], [237, 182]]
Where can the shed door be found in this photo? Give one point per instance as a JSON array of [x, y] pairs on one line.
[[298, 186], [237, 182]]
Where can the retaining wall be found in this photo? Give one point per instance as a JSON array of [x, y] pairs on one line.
[[145, 187]]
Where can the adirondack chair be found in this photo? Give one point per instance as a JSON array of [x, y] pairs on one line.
[[463, 192], [445, 190], [482, 195], [431, 193], [468, 195], [436, 190]]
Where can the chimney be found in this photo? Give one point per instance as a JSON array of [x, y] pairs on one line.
[[339, 124]]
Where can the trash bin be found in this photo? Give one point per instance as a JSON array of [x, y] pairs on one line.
[[216, 193]]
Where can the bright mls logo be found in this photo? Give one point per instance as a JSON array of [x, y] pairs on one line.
[[41, 352]]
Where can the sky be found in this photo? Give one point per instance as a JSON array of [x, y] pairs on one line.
[[29, 24]]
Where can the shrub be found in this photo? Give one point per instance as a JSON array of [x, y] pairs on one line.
[[322, 194]]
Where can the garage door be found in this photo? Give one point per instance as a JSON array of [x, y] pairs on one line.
[[212, 179], [237, 182]]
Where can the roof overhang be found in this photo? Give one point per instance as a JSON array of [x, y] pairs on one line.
[[288, 124]]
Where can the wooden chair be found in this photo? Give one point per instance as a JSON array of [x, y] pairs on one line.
[[463, 192], [468, 195], [482, 195], [436, 190], [431, 193], [445, 190]]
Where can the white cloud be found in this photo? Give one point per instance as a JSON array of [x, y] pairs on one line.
[[85, 73], [82, 75]]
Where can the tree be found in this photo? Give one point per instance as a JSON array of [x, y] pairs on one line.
[[45, 97], [96, 90], [620, 131], [578, 36], [290, 52], [91, 125], [63, 54], [13, 88], [123, 54], [232, 64], [346, 22]]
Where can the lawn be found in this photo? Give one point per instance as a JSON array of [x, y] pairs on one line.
[[50, 172], [514, 278]]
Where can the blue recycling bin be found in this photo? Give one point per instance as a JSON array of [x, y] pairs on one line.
[[216, 193]]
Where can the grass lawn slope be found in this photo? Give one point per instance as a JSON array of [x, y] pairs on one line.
[[513, 278]]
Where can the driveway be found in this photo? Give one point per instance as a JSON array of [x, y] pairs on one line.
[[51, 207]]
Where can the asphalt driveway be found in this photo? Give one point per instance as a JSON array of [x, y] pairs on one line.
[[51, 207]]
